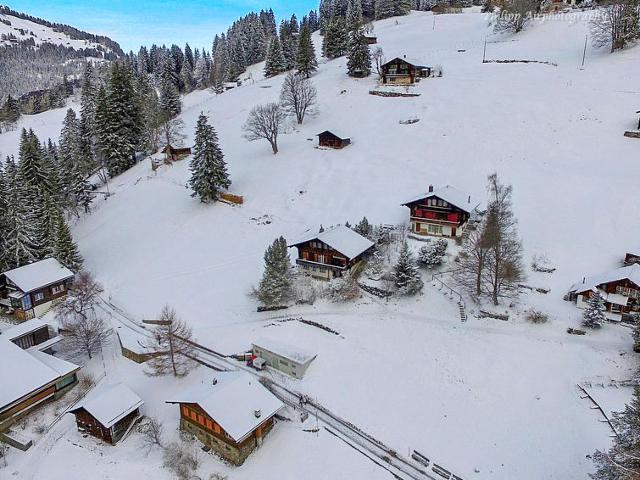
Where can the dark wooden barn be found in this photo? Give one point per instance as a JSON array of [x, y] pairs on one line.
[[371, 40], [331, 140], [108, 413], [173, 154]]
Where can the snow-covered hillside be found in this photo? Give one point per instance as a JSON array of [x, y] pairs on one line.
[[23, 29], [487, 399]]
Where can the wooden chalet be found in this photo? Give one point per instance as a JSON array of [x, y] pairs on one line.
[[173, 154], [631, 258], [231, 416], [108, 413], [330, 253], [331, 140], [29, 378], [403, 71], [620, 291], [442, 212], [32, 334], [370, 39], [31, 290]]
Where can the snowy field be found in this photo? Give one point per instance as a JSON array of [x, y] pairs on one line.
[[487, 399]]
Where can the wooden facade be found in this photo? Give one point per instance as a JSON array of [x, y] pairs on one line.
[[400, 71], [613, 292], [33, 338], [90, 425], [195, 420], [331, 140], [631, 258], [173, 154], [436, 216], [371, 40], [322, 261]]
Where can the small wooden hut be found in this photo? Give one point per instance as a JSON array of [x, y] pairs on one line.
[[370, 39], [331, 140], [173, 154]]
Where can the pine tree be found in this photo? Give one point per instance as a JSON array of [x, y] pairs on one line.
[[593, 315], [275, 62], [65, 249], [354, 16], [87, 125], [335, 40], [276, 286], [359, 57], [363, 228], [208, 168], [170, 102], [407, 277], [402, 7], [4, 222], [306, 62], [384, 9]]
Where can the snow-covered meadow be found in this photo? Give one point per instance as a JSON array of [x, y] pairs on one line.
[[487, 399]]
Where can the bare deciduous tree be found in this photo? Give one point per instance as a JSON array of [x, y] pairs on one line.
[[378, 60], [152, 433], [171, 344], [172, 131], [297, 96], [616, 24], [515, 15], [86, 330], [265, 121]]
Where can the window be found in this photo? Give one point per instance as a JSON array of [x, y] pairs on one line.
[[56, 289], [194, 415], [38, 296], [435, 229], [185, 411]]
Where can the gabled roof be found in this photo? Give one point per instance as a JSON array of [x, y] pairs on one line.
[[38, 274], [290, 352], [341, 137], [413, 61], [109, 404], [22, 329], [23, 372], [632, 273], [340, 238], [451, 195], [233, 402]]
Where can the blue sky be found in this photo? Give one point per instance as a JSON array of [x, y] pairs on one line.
[[142, 22]]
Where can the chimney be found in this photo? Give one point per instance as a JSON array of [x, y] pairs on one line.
[[257, 413], [584, 279], [404, 56], [430, 188]]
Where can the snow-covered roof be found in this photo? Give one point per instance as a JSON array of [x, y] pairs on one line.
[[412, 60], [449, 194], [340, 238], [109, 404], [632, 272], [233, 402], [132, 341], [285, 350], [334, 133], [23, 372], [21, 329], [38, 274]]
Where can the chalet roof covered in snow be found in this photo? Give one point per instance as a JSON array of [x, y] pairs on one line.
[[340, 238], [233, 402], [334, 133], [38, 274], [109, 404], [412, 60], [449, 194], [22, 372], [21, 329], [632, 273], [285, 350]]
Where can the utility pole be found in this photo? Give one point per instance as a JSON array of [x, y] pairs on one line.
[[484, 51], [584, 53], [434, 22]]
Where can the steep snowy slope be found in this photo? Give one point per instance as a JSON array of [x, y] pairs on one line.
[[487, 400]]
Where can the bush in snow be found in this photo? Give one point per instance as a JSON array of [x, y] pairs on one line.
[[181, 460], [433, 253], [536, 316], [375, 265], [593, 316], [343, 289], [305, 290], [406, 275]]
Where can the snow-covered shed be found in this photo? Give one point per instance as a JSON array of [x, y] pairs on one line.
[[29, 378], [282, 356], [108, 412], [443, 211], [332, 140], [32, 333], [231, 415], [619, 288], [330, 253], [132, 345], [30, 291]]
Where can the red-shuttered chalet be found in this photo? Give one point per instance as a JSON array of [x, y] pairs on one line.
[[444, 211]]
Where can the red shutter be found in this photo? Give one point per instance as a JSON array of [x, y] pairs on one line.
[[453, 217]]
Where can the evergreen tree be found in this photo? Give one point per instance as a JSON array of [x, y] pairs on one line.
[[276, 286], [306, 62], [384, 9], [363, 228], [87, 126], [354, 16], [208, 168], [170, 102], [593, 315], [275, 62], [359, 57], [65, 249], [402, 7], [407, 277], [335, 40], [4, 222]]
